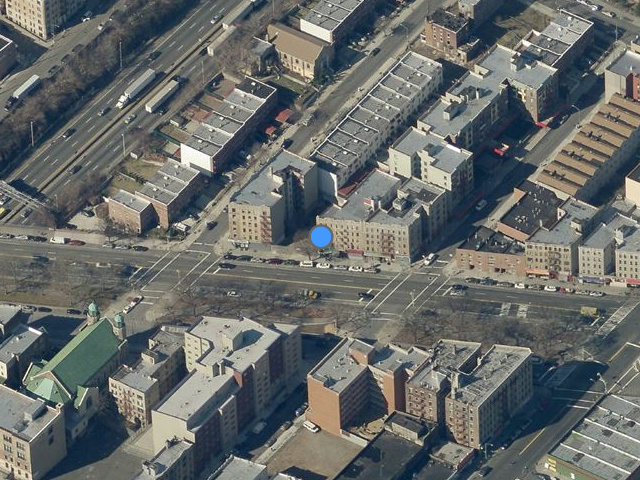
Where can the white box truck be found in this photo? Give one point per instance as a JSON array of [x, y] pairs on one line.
[[60, 240], [133, 90], [162, 96], [23, 90]]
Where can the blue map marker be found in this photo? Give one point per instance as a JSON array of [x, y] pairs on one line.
[[321, 236]]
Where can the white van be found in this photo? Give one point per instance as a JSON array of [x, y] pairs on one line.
[[307, 263], [312, 427]]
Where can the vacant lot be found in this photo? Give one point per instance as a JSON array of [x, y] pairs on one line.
[[313, 456]]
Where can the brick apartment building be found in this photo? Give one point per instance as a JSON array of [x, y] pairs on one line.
[[237, 368], [139, 388], [33, 436], [478, 10], [622, 76], [277, 200], [450, 34], [131, 212], [471, 396], [42, 18], [490, 252]]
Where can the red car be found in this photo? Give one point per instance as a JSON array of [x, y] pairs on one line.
[[77, 243]]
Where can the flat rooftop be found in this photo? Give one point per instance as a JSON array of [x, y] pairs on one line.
[[263, 188], [627, 62], [497, 365], [197, 396], [8, 313], [255, 88], [235, 468], [605, 233], [329, 14], [236, 342], [383, 458], [419, 192], [537, 208], [18, 342], [158, 465], [448, 20], [447, 356], [141, 376], [391, 358], [606, 444], [486, 240], [564, 231], [23, 416], [168, 182], [635, 174], [130, 200], [338, 369]]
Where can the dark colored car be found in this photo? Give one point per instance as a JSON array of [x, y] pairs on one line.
[[68, 133], [140, 248], [73, 311], [77, 243], [488, 281], [366, 295], [287, 143], [39, 239], [274, 261], [374, 52], [244, 258], [291, 262], [484, 471], [230, 256], [457, 286], [44, 309], [104, 111], [227, 266], [75, 169], [472, 280], [153, 55], [211, 225]]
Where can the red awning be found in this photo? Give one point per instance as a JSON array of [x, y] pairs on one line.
[[633, 281], [284, 115], [270, 130]]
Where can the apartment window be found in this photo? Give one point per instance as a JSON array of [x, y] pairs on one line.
[[7, 448], [6, 438], [21, 456]]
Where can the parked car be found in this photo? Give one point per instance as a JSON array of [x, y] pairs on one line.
[[596, 293], [227, 266], [340, 267], [481, 204], [73, 311], [520, 286], [211, 225], [484, 471], [355, 268], [274, 261], [108, 245], [140, 248], [244, 258], [75, 169], [458, 286], [374, 52], [44, 309], [286, 143], [26, 212], [312, 427], [488, 281], [153, 55], [122, 246], [323, 265], [371, 270], [505, 284], [291, 262], [365, 295], [77, 243], [216, 18], [472, 280], [87, 212], [229, 256], [550, 288], [234, 294]]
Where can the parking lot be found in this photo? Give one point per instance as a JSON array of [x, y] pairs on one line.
[[313, 456]]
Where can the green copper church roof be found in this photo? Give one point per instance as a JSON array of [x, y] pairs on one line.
[[93, 310], [76, 364]]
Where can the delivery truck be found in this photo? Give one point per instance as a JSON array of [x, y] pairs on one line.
[[133, 90], [23, 90], [162, 96], [60, 240]]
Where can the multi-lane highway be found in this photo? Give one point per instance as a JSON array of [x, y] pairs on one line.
[[99, 139]]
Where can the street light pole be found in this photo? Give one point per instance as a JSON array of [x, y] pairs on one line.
[[32, 139], [120, 49], [124, 148], [202, 67]]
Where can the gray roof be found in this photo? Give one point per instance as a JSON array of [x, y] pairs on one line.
[[606, 444], [7, 313], [391, 358], [628, 62], [23, 416], [254, 340], [197, 397], [329, 14], [604, 234], [346, 144], [420, 192], [499, 64], [631, 240], [169, 182], [377, 185], [413, 140], [338, 369], [263, 187], [563, 232], [448, 356], [164, 460], [18, 342], [130, 200], [497, 365], [142, 375], [235, 468]]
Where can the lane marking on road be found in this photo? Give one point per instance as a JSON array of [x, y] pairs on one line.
[[299, 282], [189, 272], [434, 292], [201, 28], [532, 441], [504, 309], [205, 271], [87, 120], [180, 47], [46, 158], [148, 303], [384, 288], [55, 161], [413, 302], [91, 129], [172, 44], [392, 292], [444, 294], [522, 311], [620, 351], [153, 266], [95, 167], [75, 143]]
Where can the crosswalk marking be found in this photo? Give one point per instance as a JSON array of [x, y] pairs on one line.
[[522, 311], [504, 310]]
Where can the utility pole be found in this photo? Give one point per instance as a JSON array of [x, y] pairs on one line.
[[202, 65], [273, 4], [32, 138], [120, 49], [124, 148]]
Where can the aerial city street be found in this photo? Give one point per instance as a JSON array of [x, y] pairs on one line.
[[320, 239]]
